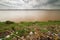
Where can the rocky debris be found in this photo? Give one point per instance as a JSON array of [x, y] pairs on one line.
[[33, 33]]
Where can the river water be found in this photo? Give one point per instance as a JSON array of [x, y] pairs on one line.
[[29, 15]]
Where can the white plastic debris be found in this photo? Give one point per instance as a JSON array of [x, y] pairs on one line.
[[7, 36], [0, 39], [31, 33], [16, 32]]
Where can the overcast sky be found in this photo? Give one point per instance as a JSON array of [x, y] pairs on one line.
[[29, 15], [29, 4]]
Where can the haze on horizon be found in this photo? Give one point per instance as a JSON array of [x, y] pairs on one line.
[[18, 16]]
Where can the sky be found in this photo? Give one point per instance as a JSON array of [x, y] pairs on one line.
[[29, 4], [18, 16]]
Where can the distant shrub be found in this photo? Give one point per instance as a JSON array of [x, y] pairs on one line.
[[9, 22]]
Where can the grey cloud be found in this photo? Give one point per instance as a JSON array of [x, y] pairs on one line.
[[52, 1], [39, 4]]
